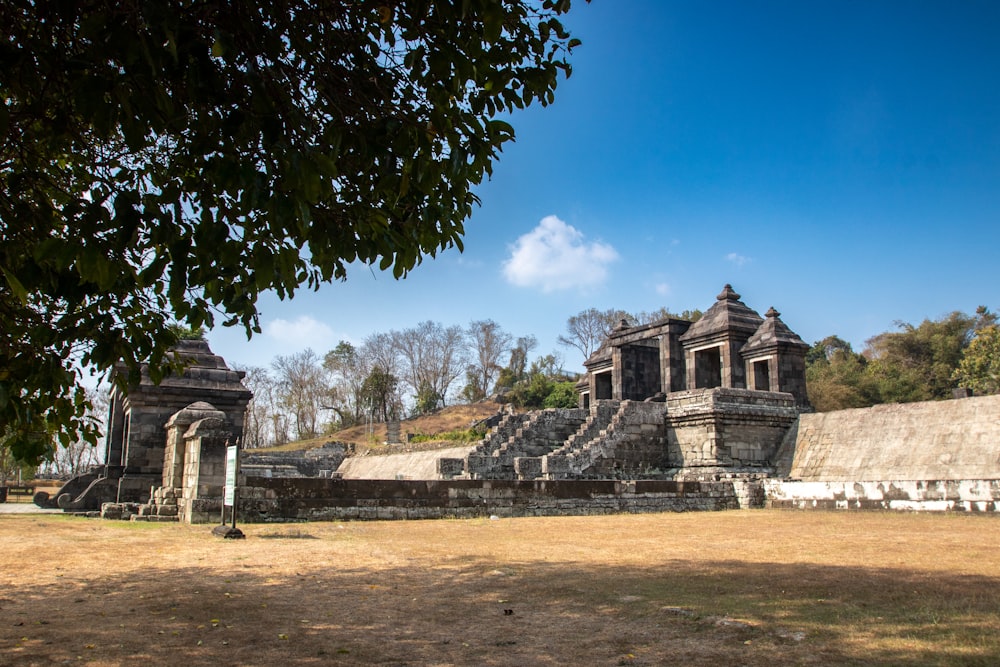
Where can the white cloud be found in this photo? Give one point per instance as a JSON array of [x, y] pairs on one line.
[[739, 260], [663, 289], [302, 332], [554, 256]]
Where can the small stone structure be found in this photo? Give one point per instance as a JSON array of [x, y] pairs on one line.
[[154, 431]]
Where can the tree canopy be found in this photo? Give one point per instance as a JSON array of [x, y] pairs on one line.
[[170, 161], [915, 363]]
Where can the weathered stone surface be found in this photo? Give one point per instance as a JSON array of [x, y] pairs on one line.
[[914, 495], [331, 499], [938, 440]]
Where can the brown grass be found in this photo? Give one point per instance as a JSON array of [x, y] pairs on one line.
[[452, 418], [750, 588]]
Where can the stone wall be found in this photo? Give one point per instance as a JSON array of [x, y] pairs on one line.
[[318, 462], [928, 495], [266, 500], [411, 465], [937, 440], [726, 427]]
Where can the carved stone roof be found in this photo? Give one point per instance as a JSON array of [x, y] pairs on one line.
[[773, 333], [600, 357], [728, 315]]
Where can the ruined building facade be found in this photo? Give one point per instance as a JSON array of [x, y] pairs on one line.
[[670, 398], [731, 346], [165, 444]]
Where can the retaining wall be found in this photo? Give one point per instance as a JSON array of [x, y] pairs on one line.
[[931, 495], [936, 440], [277, 499], [411, 465]]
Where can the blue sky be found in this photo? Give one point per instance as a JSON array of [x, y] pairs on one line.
[[839, 161]]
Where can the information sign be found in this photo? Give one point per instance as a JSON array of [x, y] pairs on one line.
[[232, 457]]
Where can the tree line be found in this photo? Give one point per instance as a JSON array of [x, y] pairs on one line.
[[913, 363], [398, 374]]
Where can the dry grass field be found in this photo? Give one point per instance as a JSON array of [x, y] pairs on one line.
[[727, 588]]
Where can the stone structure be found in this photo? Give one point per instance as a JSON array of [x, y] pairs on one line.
[[930, 455], [151, 429], [673, 398], [673, 416], [731, 347], [266, 500]]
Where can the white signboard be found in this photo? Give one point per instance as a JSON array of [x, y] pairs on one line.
[[232, 453]]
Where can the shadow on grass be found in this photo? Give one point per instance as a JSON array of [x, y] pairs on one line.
[[510, 613]]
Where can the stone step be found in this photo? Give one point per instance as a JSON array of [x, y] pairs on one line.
[[154, 518]]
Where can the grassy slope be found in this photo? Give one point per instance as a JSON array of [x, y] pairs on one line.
[[453, 418]]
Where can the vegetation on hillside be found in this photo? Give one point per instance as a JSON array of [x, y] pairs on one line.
[[913, 363]]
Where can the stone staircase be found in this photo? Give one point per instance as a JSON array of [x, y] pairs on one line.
[[621, 437], [530, 435], [162, 507]]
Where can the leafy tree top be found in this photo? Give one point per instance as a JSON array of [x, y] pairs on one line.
[[165, 161]]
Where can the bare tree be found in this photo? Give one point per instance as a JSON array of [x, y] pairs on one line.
[[303, 390], [431, 358], [588, 329], [489, 345], [264, 424]]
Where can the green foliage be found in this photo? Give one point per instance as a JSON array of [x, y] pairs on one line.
[[165, 162], [182, 332], [541, 386], [473, 389], [836, 377], [378, 393], [561, 395], [979, 368], [427, 400], [10, 466], [916, 363]]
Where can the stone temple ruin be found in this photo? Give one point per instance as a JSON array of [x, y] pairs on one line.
[[672, 415], [166, 442], [670, 397]]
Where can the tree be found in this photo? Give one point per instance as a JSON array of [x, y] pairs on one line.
[[489, 343], [836, 377], [346, 365], [77, 457], [431, 358], [379, 394], [516, 370], [644, 317], [12, 470], [979, 368], [917, 363], [303, 390], [165, 161], [587, 329], [264, 423]]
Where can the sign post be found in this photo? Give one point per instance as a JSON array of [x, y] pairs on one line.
[[230, 496]]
